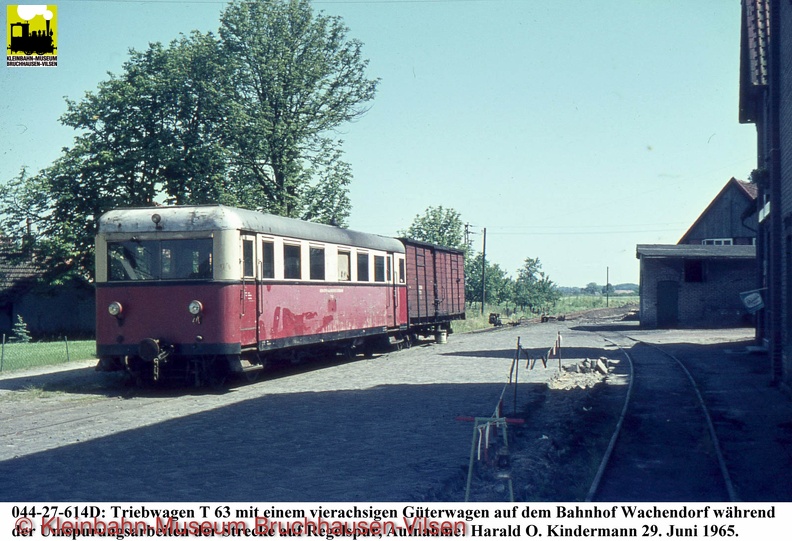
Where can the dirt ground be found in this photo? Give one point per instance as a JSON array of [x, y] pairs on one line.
[[397, 427]]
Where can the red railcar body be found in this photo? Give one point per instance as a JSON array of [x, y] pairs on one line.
[[201, 291]]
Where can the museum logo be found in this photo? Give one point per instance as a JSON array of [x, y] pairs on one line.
[[32, 37]]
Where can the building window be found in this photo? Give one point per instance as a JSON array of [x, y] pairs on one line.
[[317, 261], [267, 259], [694, 270], [718, 242], [344, 266], [291, 262], [379, 268], [362, 267]]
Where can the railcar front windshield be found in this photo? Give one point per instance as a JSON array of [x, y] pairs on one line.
[[175, 259]]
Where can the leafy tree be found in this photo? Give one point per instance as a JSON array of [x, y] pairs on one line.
[[242, 119], [533, 289], [592, 288], [438, 225], [152, 132], [296, 78], [499, 287]]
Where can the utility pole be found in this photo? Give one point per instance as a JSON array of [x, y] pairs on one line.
[[484, 271]]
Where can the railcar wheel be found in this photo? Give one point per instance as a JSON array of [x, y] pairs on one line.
[[141, 373], [215, 372], [348, 351], [298, 356], [211, 372], [252, 376]]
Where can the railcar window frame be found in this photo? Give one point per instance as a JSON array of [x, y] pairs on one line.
[[379, 268], [344, 265], [152, 260], [267, 259], [316, 262], [362, 266], [248, 257], [292, 266]]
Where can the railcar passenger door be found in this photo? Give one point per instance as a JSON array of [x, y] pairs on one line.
[[393, 298], [248, 294]]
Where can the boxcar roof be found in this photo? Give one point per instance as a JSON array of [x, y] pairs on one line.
[[406, 240], [221, 217]]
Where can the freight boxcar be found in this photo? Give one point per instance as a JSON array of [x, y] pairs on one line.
[[435, 286]]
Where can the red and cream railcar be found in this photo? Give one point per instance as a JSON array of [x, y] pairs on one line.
[[203, 290]]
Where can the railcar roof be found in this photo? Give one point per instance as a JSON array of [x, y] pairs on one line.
[[221, 217]]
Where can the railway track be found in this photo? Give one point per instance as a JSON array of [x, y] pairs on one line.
[[664, 447]]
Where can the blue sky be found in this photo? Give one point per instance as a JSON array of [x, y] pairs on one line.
[[571, 130]]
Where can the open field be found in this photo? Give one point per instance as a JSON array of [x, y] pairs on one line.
[[572, 304], [579, 303]]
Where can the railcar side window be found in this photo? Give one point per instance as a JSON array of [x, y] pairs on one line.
[[317, 262], [344, 266], [401, 270], [182, 259], [291, 262], [362, 267], [267, 259], [379, 268], [248, 263]]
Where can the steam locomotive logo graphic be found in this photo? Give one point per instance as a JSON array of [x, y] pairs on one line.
[[32, 35]]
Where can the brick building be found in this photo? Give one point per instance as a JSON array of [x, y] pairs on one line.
[[766, 101], [698, 281], [695, 285]]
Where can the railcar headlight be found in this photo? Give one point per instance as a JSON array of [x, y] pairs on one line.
[[195, 308], [115, 309]]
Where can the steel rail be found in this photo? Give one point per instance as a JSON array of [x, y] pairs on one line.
[[710, 425], [606, 457], [617, 431]]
